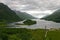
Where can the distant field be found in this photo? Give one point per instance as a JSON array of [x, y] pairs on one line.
[[28, 34]]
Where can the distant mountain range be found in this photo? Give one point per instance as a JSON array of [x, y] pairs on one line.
[[24, 15], [8, 15], [53, 17]]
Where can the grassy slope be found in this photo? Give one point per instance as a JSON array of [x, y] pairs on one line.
[[27, 34]]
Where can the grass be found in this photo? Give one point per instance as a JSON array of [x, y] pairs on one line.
[[54, 35], [28, 34]]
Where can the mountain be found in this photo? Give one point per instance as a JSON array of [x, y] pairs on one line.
[[53, 17], [7, 15], [24, 15]]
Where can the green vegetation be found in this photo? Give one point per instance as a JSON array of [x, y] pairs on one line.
[[28, 34], [54, 35], [21, 34], [3, 24], [29, 22], [53, 17]]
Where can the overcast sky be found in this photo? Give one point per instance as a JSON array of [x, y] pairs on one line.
[[37, 8]]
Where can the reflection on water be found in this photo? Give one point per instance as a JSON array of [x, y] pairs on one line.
[[40, 24]]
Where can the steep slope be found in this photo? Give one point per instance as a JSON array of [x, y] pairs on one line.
[[53, 17], [24, 15], [7, 15]]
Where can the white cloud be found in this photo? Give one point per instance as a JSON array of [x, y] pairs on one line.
[[40, 13]]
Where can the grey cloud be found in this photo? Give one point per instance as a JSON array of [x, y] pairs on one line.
[[42, 4], [35, 4]]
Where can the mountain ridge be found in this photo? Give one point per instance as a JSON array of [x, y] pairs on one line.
[[53, 17], [24, 15], [7, 15]]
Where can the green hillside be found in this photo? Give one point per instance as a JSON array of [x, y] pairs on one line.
[[24, 15], [53, 17], [28, 34], [7, 15]]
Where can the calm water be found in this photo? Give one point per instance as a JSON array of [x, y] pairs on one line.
[[40, 24]]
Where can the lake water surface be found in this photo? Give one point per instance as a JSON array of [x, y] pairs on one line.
[[40, 24]]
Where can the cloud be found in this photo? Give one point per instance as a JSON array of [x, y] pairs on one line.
[[34, 7], [40, 14], [34, 4]]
